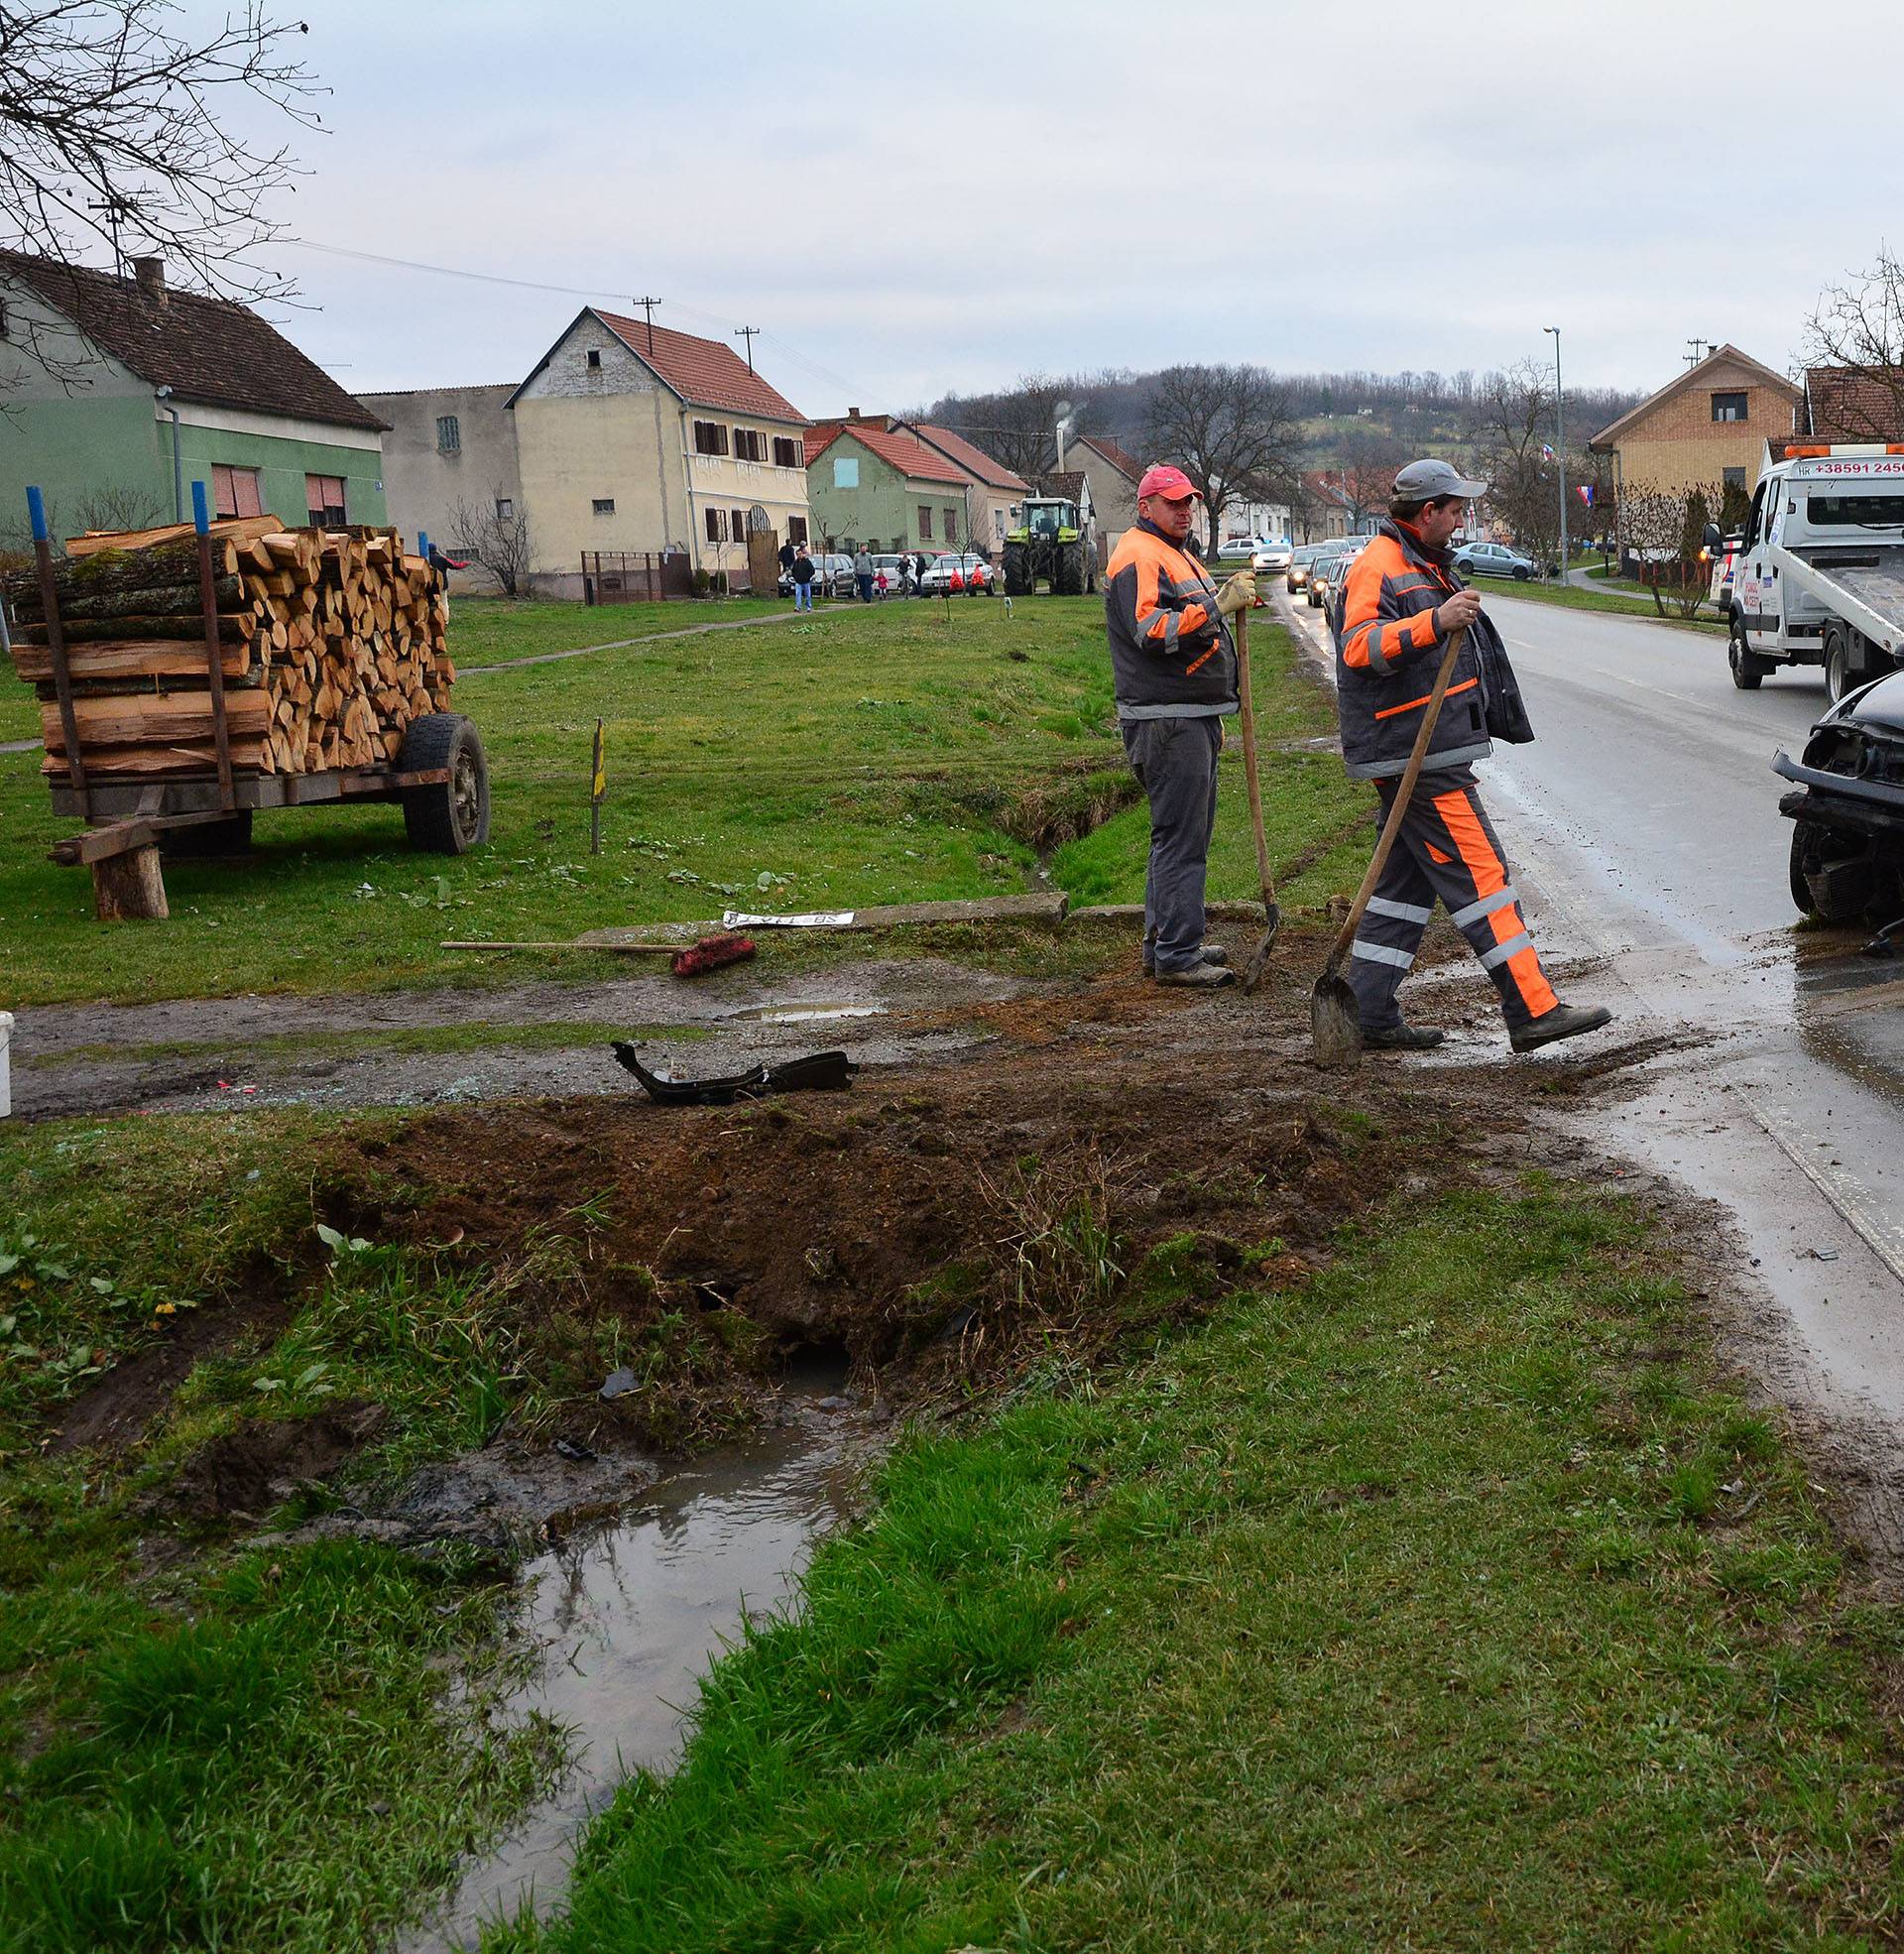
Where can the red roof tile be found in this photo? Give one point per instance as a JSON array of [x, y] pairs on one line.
[[212, 350], [1846, 404], [702, 371], [1123, 461], [974, 460], [913, 460]]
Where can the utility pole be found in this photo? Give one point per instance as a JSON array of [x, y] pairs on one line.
[[113, 207], [648, 309], [1701, 347], [747, 333], [1560, 451]]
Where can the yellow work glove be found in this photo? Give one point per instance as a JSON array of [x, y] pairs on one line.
[[1237, 594]]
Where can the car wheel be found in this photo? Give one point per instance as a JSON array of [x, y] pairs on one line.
[[1749, 669], [1522, 574]]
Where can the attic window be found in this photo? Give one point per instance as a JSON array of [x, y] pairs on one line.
[[1729, 407], [449, 434], [604, 505], [710, 437], [595, 356]]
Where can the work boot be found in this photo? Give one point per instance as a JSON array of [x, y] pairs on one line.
[[1565, 1020], [1210, 954], [1198, 977], [1401, 1038]]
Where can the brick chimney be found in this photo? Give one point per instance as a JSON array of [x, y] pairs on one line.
[[851, 413], [151, 274]]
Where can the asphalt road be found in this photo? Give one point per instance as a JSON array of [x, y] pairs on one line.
[[1643, 831]]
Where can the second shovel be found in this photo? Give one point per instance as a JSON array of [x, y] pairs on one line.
[[1272, 909]]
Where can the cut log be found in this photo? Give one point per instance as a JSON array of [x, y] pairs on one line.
[[188, 760], [232, 626], [235, 528], [152, 600], [124, 569], [168, 659], [131, 719], [130, 887]]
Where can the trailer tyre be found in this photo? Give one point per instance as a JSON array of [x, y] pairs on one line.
[[1749, 669], [448, 817], [206, 840]]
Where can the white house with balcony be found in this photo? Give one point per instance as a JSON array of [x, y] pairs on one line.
[[626, 440]]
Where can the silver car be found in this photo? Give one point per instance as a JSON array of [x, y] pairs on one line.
[[1493, 559]]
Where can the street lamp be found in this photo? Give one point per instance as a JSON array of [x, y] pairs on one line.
[[1560, 451]]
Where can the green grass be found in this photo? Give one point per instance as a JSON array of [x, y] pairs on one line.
[[1571, 597], [871, 755], [1447, 1603], [487, 630]]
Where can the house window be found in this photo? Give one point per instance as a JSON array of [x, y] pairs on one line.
[[325, 498], [235, 490], [951, 530], [846, 471], [739, 529], [749, 444], [1734, 478], [505, 508], [604, 505], [926, 522], [1729, 407], [595, 357], [786, 454], [710, 437], [716, 525], [797, 528], [449, 434]]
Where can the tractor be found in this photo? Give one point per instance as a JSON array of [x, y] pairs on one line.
[[1050, 542]]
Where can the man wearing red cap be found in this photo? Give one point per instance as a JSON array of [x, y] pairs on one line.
[[1175, 670]]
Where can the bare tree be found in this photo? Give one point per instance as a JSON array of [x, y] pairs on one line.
[[1859, 327], [119, 131], [121, 509], [500, 543], [1019, 428], [1666, 527], [1230, 430]]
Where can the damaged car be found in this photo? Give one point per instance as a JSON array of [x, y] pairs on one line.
[[1846, 809]]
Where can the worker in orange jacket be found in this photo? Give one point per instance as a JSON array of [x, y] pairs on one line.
[[1401, 603], [1175, 666]]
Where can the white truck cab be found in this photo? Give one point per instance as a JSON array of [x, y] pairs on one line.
[[1819, 573]]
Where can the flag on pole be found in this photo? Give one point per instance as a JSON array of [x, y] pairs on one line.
[[1585, 491], [1546, 453]]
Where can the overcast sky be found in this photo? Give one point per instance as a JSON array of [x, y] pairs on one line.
[[913, 206]]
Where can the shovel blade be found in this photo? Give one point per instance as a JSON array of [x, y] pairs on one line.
[[1335, 1021], [1259, 963]]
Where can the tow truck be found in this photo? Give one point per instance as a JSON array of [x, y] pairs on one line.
[[1819, 575]]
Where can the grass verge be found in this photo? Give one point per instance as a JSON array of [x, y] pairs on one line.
[[1448, 1601]]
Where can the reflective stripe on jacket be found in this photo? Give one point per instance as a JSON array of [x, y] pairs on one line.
[[1170, 652], [1388, 651]]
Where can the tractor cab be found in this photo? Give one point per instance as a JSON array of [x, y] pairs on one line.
[[1048, 519]]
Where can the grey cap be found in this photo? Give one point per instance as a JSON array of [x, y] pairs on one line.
[[1429, 481]]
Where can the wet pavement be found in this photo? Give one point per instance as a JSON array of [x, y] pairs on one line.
[[1644, 831]]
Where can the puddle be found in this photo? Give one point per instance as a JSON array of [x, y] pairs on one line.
[[628, 1620], [805, 1014]]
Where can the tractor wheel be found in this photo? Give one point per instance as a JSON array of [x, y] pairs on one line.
[[1017, 570], [452, 816], [1067, 570]]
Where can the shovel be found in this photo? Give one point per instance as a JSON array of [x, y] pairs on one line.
[[1272, 912], [1335, 1021]]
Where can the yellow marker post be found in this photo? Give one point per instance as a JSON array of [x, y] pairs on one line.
[[597, 792]]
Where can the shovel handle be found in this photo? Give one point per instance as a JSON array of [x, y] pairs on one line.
[[1252, 778], [1400, 806]]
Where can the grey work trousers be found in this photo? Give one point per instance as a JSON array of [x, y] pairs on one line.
[[1175, 762]]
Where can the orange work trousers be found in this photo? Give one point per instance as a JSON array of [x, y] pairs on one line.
[[1446, 849]]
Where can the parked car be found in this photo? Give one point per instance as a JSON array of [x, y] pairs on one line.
[[896, 583], [1300, 558], [967, 573], [1333, 571], [1493, 559], [1271, 557], [1236, 549], [832, 575]]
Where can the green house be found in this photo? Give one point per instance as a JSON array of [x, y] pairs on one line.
[[117, 394], [866, 482]]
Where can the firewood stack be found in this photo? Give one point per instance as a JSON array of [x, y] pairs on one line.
[[334, 642]]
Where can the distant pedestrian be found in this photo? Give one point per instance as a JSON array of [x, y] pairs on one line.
[[786, 557], [803, 575], [879, 584], [863, 573]]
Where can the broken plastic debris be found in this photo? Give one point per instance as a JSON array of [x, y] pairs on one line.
[[619, 1384]]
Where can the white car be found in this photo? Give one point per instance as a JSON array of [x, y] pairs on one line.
[[1236, 548], [1271, 556], [974, 576]]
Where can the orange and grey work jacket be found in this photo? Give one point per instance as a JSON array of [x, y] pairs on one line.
[[1386, 653], [1170, 651]]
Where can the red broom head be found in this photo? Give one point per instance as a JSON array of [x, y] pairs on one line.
[[713, 953]]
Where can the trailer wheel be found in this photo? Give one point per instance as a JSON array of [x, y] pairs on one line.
[[206, 840], [452, 816], [1749, 669]]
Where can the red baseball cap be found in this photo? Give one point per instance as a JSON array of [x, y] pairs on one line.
[[1170, 483]]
